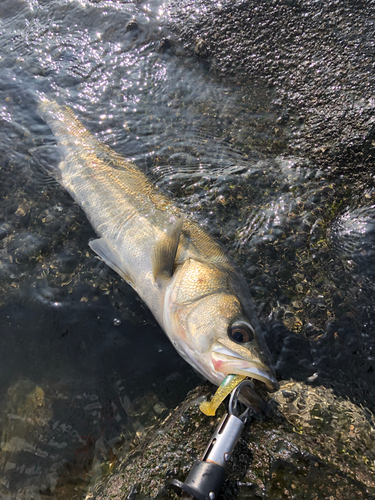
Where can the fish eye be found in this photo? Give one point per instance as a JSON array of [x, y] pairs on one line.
[[241, 333]]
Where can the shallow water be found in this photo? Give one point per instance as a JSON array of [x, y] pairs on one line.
[[84, 367]]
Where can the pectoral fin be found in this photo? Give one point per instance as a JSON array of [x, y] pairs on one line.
[[165, 250], [104, 248]]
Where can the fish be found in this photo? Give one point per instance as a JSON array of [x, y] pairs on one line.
[[195, 291]]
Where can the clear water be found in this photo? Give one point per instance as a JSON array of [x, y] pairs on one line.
[[84, 369]]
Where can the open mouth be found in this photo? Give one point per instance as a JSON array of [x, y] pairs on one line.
[[227, 361]]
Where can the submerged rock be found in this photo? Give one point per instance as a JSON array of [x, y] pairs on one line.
[[25, 415], [314, 446], [305, 241], [261, 161]]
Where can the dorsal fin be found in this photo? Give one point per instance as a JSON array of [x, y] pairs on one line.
[[165, 250]]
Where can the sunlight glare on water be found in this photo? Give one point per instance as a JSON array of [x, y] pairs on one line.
[[103, 60], [84, 369]]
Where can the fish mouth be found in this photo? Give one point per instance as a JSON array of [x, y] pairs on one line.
[[230, 362]]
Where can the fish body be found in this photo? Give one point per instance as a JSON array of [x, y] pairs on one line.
[[194, 290]]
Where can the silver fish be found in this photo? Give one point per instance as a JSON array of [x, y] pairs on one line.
[[194, 290]]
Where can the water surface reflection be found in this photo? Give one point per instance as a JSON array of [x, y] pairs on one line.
[[84, 367]]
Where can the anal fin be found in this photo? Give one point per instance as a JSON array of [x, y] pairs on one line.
[[106, 251]]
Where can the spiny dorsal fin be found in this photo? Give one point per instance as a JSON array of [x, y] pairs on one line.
[[165, 250]]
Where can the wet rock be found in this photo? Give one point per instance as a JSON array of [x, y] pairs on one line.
[[317, 59], [164, 44], [315, 445], [5, 230], [352, 236], [24, 246], [132, 25], [200, 47], [24, 417], [302, 68]]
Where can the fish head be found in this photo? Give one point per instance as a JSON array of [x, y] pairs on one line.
[[208, 324]]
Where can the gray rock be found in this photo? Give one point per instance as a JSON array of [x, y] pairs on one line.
[[316, 58], [314, 445]]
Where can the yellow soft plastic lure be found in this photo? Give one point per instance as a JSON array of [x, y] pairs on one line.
[[228, 384]]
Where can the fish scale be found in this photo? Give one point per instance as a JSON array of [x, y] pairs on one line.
[[195, 291]]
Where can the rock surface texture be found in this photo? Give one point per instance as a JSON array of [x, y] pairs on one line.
[[313, 446], [316, 56]]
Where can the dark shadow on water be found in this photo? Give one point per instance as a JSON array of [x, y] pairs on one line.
[[80, 381], [83, 342]]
